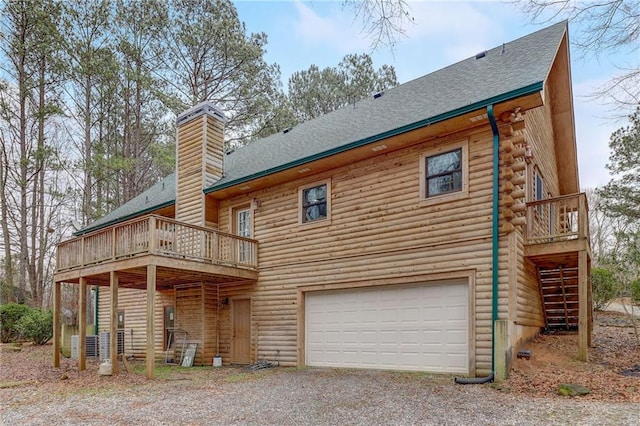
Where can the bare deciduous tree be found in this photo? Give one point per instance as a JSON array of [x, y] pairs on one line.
[[607, 26], [383, 21]]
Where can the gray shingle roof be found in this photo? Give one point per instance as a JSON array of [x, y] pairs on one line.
[[514, 69], [502, 71], [160, 195]]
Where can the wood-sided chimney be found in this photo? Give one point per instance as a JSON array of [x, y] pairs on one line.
[[199, 159]]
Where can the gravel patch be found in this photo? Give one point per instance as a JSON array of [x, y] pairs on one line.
[[310, 396]]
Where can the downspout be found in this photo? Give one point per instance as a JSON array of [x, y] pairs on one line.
[[494, 252]]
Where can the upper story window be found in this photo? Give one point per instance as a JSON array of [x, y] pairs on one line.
[[444, 173], [243, 226], [315, 202], [538, 185]]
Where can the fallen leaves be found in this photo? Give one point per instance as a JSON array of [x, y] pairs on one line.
[[554, 361]]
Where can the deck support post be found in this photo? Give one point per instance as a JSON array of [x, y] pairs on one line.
[[502, 360], [82, 325], [56, 323], [583, 305], [151, 307], [113, 323]]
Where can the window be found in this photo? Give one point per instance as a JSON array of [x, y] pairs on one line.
[[243, 223], [444, 173], [243, 227], [314, 202], [538, 186], [543, 213]]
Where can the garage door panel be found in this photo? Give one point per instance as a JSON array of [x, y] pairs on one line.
[[416, 327]]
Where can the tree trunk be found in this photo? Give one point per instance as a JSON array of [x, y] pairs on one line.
[[87, 192], [24, 162], [8, 249]]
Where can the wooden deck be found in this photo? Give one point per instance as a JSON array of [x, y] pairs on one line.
[[181, 253], [150, 253], [557, 242], [557, 226]]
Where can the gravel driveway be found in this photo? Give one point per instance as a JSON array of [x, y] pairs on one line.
[[299, 397]]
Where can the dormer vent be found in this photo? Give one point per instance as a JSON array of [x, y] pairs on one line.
[[378, 94], [481, 55], [287, 130]]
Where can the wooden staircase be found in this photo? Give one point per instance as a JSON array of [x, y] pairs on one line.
[[559, 293]]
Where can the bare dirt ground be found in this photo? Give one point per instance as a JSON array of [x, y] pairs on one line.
[[614, 350], [33, 392]]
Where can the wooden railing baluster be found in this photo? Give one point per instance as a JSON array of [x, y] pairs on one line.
[[159, 236], [557, 219]]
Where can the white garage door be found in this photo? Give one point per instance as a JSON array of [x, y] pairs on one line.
[[414, 327]]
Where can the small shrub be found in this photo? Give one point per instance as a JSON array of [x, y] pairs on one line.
[[36, 326], [10, 314], [605, 287], [635, 291]]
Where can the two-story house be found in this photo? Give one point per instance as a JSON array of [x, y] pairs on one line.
[[434, 227]]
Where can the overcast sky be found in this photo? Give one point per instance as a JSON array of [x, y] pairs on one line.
[[302, 33]]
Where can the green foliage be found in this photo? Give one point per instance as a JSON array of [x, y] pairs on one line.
[[37, 326], [621, 199], [10, 315], [208, 56], [315, 92], [635, 291], [605, 287], [622, 194]]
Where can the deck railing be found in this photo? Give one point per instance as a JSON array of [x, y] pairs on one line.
[[159, 236], [557, 219]]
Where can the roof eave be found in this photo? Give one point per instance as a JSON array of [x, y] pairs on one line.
[[523, 91], [115, 221]]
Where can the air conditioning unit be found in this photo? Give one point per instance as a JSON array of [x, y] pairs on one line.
[[91, 348], [104, 344], [75, 346]]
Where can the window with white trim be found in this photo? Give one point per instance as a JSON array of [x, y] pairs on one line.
[[243, 227]]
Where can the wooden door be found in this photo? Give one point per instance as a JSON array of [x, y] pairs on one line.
[[241, 331]]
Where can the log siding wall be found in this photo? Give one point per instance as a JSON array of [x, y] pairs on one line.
[[378, 229], [539, 135], [529, 316], [135, 319], [199, 164]]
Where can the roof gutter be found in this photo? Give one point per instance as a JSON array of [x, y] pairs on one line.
[[494, 252], [486, 103]]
